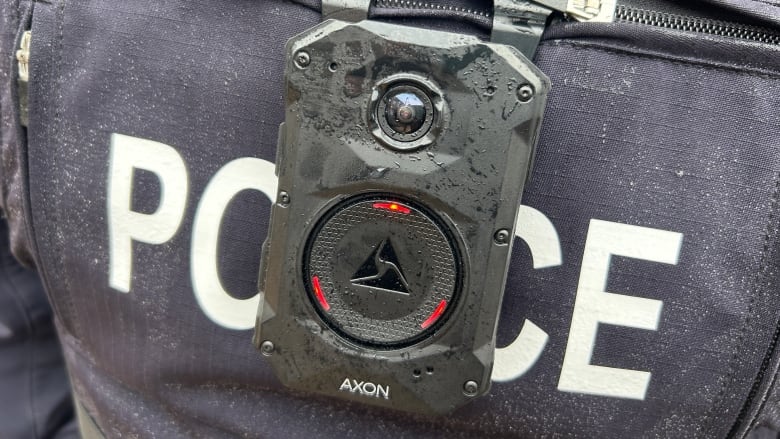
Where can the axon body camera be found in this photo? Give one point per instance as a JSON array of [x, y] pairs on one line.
[[401, 163]]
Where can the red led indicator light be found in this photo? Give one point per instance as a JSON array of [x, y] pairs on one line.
[[315, 282], [435, 315], [393, 207]]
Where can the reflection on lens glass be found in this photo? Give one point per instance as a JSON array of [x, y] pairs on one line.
[[405, 112]]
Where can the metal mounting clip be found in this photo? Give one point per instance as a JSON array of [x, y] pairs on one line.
[[345, 10], [520, 23]]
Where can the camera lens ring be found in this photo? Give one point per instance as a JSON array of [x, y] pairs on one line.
[[434, 108], [405, 112]]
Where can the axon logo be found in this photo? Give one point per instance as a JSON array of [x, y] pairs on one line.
[[365, 388], [594, 305], [382, 271]]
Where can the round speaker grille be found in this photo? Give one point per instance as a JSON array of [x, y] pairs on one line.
[[382, 271]]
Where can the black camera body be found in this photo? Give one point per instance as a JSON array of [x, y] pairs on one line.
[[401, 164]]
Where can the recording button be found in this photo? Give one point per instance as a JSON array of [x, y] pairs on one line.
[[382, 271]]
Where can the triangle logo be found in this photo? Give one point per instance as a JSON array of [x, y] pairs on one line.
[[382, 270]]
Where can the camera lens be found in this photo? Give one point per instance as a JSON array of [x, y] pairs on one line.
[[405, 112]]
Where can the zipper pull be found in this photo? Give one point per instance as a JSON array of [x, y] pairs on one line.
[[520, 23], [23, 58]]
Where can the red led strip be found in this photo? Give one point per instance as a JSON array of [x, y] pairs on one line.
[[315, 281], [393, 207], [435, 315]]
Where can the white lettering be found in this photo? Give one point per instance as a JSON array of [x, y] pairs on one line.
[[236, 176], [365, 388], [515, 360], [369, 391], [124, 225], [383, 391], [593, 306], [539, 234]]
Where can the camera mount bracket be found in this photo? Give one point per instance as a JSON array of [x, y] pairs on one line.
[[520, 23], [345, 10]]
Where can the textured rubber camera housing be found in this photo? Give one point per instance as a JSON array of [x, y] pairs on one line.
[[371, 233]]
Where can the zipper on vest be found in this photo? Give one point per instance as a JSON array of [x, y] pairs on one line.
[[577, 9], [519, 23], [580, 10], [423, 6], [629, 14], [592, 10]]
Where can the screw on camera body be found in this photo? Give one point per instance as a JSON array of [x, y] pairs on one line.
[[470, 388], [501, 237], [302, 59], [525, 93], [284, 199], [267, 348]]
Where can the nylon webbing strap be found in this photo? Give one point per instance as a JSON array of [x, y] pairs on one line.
[[346, 10], [519, 24]]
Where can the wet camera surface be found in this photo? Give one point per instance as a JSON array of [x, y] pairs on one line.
[[402, 156]]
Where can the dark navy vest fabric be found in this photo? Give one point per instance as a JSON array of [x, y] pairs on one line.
[[35, 399], [659, 147]]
